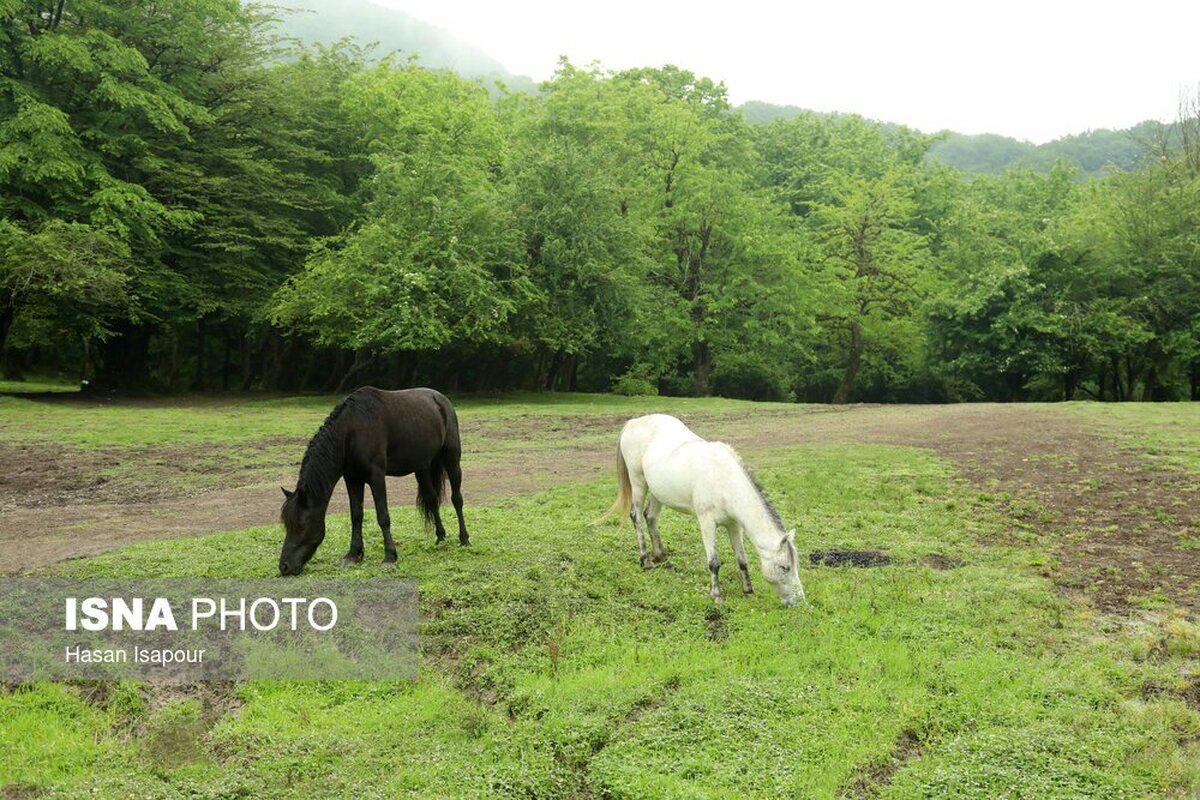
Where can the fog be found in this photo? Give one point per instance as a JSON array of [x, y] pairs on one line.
[[1034, 70]]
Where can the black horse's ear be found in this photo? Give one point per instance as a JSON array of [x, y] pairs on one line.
[[287, 495]]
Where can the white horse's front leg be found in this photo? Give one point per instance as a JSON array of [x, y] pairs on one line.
[[739, 551], [708, 532]]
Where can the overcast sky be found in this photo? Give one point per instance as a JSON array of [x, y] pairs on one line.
[[1034, 70]]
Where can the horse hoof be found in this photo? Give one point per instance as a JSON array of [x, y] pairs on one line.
[[390, 558], [464, 542], [350, 559], [647, 563]]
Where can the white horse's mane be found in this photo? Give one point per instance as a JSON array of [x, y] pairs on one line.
[[772, 512]]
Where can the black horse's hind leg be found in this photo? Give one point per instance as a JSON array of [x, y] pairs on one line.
[[426, 487], [355, 490], [379, 494], [455, 474]]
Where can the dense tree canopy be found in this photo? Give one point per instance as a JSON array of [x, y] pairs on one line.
[[187, 201]]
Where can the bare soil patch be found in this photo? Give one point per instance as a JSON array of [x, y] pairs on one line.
[[1118, 517], [869, 781], [37, 475]]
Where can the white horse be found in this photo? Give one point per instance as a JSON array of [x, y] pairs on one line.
[[661, 462]]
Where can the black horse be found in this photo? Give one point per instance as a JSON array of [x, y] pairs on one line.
[[369, 435]]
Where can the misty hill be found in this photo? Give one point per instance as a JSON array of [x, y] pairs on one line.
[[1093, 151], [392, 30]]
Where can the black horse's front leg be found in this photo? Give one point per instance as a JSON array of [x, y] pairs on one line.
[[355, 491], [379, 494]]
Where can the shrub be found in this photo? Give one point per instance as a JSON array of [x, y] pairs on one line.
[[638, 381], [750, 378]]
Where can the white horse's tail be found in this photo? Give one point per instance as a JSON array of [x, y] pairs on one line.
[[624, 499]]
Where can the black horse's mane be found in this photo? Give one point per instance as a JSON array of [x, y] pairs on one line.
[[321, 466]]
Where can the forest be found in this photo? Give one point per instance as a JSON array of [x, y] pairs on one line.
[[190, 201]]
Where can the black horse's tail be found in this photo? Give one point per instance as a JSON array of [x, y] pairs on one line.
[[430, 495]]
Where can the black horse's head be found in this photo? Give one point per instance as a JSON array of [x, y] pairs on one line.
[[304, 526]]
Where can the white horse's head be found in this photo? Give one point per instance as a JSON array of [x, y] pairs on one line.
[[782, 570]]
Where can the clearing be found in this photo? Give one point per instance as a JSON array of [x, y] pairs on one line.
[[1034, 634]]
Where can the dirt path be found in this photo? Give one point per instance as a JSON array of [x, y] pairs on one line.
[[1117, 518]]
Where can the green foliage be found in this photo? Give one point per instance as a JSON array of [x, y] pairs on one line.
[[638, 381], [70, 276], [433, 262], [186, 199], [750, 377]]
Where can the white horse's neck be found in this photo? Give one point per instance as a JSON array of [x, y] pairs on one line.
[[755, 518]]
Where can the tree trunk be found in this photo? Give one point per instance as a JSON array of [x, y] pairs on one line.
[[85, 372], [123, 360], [173, 361], [537, 371], [573, 375], [201, 354], [703, 366], [1070, 383], [226, 362], [1118, 389], [1195, 394], [555, 365], [1150, 386], [247, 372], [846, 389], [7, 315], [361, 360]]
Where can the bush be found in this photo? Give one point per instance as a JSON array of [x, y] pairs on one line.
[[638, 381], [750, 378]]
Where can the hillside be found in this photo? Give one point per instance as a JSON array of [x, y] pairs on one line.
[[393, 30], [1092, 151]]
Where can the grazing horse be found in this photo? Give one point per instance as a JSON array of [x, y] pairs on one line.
[[661, 462], [369, 435]]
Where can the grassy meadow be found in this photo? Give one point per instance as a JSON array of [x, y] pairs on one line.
[[553, 666]]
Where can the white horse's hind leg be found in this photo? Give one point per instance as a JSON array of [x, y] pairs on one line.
[[708, 532], [653, 510], [735, 539], [638, 516]]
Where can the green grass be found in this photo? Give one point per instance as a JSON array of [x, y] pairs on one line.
[[39, 385], [553, 666], [1170, 431]]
